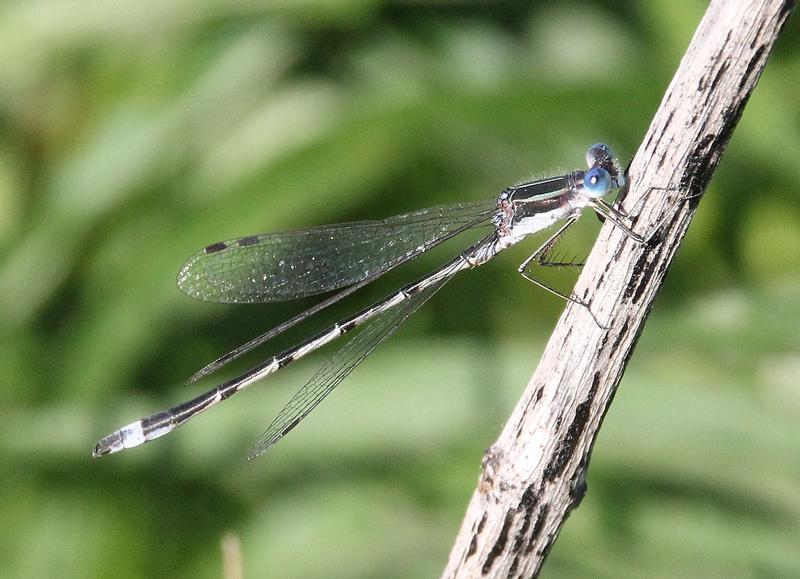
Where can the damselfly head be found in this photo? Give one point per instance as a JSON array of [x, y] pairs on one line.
[[600, 155]]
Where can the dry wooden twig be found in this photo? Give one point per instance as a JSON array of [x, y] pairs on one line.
[[535, 473]]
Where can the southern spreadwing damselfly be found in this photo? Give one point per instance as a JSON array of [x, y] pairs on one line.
[[345, 257]]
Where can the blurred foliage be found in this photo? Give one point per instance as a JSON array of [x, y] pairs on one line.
[[134, 133]]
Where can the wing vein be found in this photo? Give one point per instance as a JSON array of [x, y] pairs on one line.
[[293, 264], [322, 383]]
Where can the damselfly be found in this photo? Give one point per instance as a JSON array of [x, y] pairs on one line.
[[288, 265]]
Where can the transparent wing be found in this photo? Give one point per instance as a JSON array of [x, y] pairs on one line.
[[293, 264], [343, 362], [482, 218]]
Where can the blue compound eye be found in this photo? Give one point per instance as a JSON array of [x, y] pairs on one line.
[[597, 182]]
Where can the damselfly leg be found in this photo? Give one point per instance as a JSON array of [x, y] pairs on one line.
[[621, 219]]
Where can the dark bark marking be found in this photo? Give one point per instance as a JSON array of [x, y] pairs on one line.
[[705, 156], [622, 331], [668, 122], [606, 267], [566, 448], [593, 390], [578, 486], [649, 142], [642, 271], [527, 505], [723, 68], [617, 253], [662, 158], [636, 276], [751, 67], [473, 546], [787, 7], [646, 273], [696, 175], [499, 545], [529, 499], [482, 523], [541, 518]]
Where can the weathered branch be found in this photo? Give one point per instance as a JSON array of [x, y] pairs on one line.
[[534, 475]]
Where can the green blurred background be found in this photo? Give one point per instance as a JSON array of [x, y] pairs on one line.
[[134, 133]]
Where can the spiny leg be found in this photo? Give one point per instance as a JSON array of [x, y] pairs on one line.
[[618, 216], [544, 250], [681, 198], [540, 256]]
